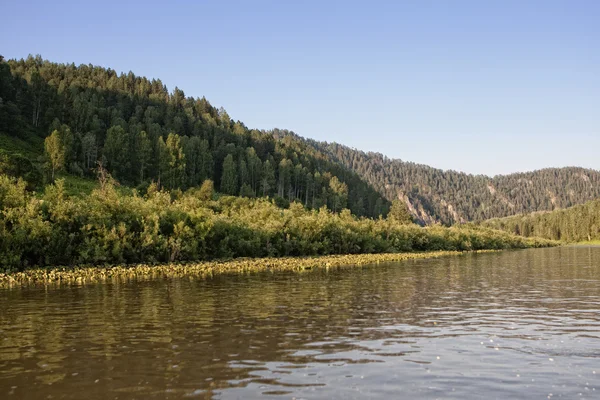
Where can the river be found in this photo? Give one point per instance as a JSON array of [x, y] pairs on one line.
[[514, 324]]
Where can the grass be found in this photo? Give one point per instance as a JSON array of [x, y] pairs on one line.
[[31, 146], [94, 274], [76, 186]]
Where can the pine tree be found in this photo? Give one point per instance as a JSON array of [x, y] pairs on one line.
[[399, 213], [339, 194]]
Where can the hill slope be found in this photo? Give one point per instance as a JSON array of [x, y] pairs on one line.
[[574, 224], [143, 133], [434, 195]]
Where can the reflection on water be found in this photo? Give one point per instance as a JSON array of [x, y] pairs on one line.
[[523, 324]]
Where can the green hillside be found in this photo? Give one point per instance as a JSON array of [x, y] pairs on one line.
[[580, 223], [435, 195], [142, 133]]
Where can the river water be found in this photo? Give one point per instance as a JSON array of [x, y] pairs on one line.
[[515, 324]]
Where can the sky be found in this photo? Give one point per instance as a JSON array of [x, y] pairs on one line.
[[484, 87]]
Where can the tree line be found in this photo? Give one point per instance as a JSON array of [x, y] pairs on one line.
[[575, 224], [450, 197], [142, 133]]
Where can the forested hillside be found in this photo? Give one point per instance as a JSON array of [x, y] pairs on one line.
[[57, 118], [575, 224], [434, 195]]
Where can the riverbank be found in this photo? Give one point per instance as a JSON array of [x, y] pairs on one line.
[[586, 243], [93, 274], [107, 227]]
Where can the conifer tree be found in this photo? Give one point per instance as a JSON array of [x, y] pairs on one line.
[[399, 213]]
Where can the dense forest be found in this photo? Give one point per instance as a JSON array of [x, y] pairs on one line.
[[79, 116], [51, 228], [575, 224], [449, 197], [65, 120]]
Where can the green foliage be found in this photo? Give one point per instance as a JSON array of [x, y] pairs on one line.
[[579, 223], [76, 186], [12, 192], [174, 162], [108, 226], [399, 213], [246, 191], [89, 151], [340, 194], [142, 133], [267, 183], [102, 114], [199, 160], [454, 197], [30, 147], [206, 191], [55, 151], [17, 165], [144, 147], [229, 178], [117, 152]]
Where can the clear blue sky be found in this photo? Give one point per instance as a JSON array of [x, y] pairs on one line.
[[479, 86]]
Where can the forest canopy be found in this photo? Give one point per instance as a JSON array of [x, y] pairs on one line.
[[62, 120], [579, 223], [142, 133]]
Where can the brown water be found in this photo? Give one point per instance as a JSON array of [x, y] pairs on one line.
[[521, 324]]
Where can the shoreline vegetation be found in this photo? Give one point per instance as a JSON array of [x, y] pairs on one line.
[[579, 224], [98, 274], [108, 227], [585, 243]]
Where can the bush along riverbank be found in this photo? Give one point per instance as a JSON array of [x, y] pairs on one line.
[[119, 273], [110, 227]]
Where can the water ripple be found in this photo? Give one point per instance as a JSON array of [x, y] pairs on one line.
[[521, 324]]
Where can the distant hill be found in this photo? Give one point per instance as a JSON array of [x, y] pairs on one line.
[[142, 133], [435, 195], [574, 224]]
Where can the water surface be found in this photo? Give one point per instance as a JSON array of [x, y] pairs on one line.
[[518, 324]]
